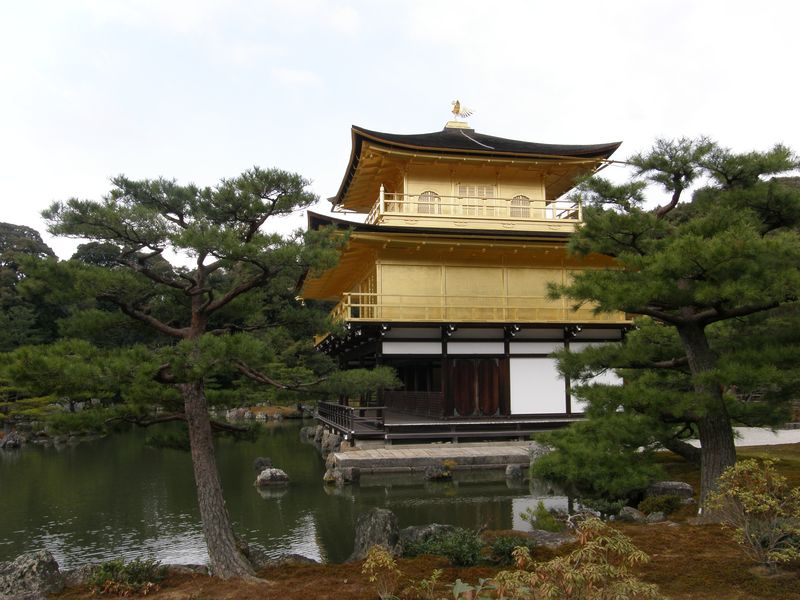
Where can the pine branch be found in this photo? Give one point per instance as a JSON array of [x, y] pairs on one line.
[[137, 314], [712, 315], [261, 377]]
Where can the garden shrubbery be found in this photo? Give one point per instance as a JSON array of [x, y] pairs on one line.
[[665, 503], [462, 547], [118, 578], [756, 502]]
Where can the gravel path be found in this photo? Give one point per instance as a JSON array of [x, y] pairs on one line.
[[758, 436]]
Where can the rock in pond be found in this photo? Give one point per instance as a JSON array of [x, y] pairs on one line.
[[261, 463], [515, 472], [30, 576], [438, 473], [346, 476], [376, 527], [11, 441], [271, 476]]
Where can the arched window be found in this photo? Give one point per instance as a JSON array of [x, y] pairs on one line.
[[521, 207], [428, 203]]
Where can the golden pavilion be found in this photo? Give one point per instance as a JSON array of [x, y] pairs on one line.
[[446, 280]]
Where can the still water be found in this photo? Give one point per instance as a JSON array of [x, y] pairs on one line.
[[118, 498]]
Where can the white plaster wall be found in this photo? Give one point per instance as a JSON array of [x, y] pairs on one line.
[[536, 386], [534, 347], [412, 347], [607, 378], [475, 348]]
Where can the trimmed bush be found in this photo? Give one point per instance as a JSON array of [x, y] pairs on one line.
[[118, 578], [501, 548], [462, 547], [666, 503], [757, 503]]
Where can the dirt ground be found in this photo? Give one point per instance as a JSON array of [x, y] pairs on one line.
[[697, 562]]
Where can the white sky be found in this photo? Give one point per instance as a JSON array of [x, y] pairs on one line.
[[200, 89]]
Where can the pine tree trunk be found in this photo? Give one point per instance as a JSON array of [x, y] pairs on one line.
[[686, 451], [717, 450], [225, 558]]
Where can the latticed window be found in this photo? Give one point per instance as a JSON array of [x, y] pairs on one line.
[[521, 206], [475, 190], [428, 203], [474, 196]]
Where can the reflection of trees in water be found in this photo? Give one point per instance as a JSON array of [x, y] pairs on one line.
[[415, 502], [115, 497]]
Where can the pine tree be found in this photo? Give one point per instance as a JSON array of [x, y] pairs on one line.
[[238, 280], [730, 253]]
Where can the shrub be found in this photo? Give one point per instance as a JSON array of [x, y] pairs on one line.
[[119, 578], [665, 503], [501, 548], [604, 506], [541, 518], [381, 570], [755, 501], [608, 459], [426, 588], [461, 547], [596, 570]]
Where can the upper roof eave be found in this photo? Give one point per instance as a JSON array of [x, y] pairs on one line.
[[465, 142]]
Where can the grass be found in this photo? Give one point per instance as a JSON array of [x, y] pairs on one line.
[[688, 562]]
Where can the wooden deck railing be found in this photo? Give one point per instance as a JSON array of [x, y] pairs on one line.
[[513, 209], [363, 306], [350, 419]]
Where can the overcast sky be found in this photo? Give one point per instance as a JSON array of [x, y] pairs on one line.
[[197, 90]]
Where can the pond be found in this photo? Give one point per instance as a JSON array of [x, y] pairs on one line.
[[118, 498]]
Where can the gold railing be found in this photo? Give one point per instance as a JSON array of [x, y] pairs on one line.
[[515, 209], [456, 308]]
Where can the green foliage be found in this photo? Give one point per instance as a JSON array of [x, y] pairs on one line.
[[665, 503], [426, 588], [24, 319], [359, 382], [608, 459], [381, 570], [118, 578], [714, 278], [597, 570], [501, 548], [756, 502], [462, 547], [541, 518], [465, 591]]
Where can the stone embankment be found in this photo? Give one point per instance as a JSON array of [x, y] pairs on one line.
[[345, 464]]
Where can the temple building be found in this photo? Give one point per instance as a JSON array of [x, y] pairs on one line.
[[446, 280]]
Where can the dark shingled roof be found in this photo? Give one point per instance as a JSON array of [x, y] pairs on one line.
[[455, 140], [468, 140]]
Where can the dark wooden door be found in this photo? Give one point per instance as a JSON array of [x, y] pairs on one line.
[[475, 386]]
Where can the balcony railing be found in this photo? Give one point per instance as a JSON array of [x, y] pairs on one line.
[[350, 419], [498, 309], [427, 205]]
